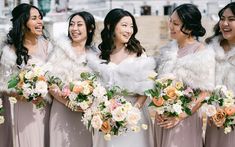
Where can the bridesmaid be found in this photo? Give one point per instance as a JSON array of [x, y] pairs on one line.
[[223, 42], [191, 62], [127, 67], [69, 60], [26, 44]]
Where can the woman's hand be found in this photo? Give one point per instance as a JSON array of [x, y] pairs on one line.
[[170, 122], [55, 91]]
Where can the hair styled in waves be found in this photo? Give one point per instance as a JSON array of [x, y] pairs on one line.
[[90, 25], [108, 34], [216, 29], [191, 20], [20, 17]]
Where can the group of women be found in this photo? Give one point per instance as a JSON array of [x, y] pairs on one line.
[[120, 60]]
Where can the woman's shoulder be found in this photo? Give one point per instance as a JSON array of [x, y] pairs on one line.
[[8, 56]]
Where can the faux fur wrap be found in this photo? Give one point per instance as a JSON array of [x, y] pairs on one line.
[[131, 74], [196, 70], [66, 63], [225, 64]]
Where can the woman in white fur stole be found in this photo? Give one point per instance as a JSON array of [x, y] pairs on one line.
[[26, 45], [124, 64], [68, 61], [223, 43], [192, 63]]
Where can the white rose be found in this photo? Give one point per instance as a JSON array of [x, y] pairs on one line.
[[133, 116], [29, 75], [86, 90], [38, 71], [99, 91], [229, 94], [27, 90], [177, 108], [210, 110], [2, 119], [83, 105], [119, 114], [228, 102], [12, 100], [227, 130], [41, 87], [96, 122]]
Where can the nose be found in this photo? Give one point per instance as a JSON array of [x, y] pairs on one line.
[[129, 30], [224, 22]]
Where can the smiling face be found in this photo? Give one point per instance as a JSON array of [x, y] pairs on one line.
[[175, 25], [123, 30], [227, 25], [35, 23], [77, 29]]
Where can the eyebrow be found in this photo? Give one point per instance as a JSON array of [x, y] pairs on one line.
[[76, 22], [228, 16]]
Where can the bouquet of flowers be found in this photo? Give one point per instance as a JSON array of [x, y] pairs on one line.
[[171, 97], [111, 113], [220, 107], [31, 84], [80, 92], [1, 111]]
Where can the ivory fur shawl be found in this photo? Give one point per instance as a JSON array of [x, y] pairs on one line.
[[196, 70]]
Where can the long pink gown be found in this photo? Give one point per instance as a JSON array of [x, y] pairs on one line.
[[30, 125], [225, 75], [185, 65]]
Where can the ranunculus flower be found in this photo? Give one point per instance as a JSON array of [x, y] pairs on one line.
[[77, 89], [219, 118], [158, 101], [229, 110]]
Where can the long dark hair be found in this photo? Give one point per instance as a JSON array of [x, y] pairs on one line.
[[216, 29], [90, 25], [191, 19], [20, 17], [108, 34]]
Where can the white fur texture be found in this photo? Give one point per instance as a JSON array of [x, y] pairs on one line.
[[131, 74], [225, 64], [196, 70]]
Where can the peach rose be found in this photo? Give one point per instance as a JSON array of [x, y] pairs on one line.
[[41, 78], [77, 89], [219, 118], [106, 128], [171, 92], [229, 110], [158, 101]]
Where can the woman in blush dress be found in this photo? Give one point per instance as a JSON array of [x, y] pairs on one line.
[[26, 45], [69, 60], [123, 63], [191, 62], [223, 43]]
